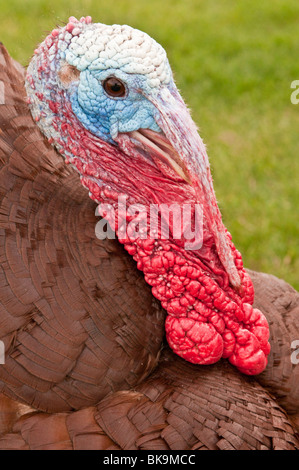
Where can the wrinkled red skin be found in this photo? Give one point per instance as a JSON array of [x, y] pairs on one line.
[[204, 322]]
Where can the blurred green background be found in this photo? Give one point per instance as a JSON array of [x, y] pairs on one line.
[[234, 62]]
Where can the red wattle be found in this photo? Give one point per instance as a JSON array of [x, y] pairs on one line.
[[204, 322]]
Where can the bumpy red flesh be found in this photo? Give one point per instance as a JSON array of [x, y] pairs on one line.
[[204, 323]]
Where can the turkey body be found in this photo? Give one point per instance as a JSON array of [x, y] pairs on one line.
[[85, 366]]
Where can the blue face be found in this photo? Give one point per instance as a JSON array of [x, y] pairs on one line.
[[105, 115]]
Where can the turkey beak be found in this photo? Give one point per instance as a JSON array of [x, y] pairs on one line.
[[161, 151], [181, 134]]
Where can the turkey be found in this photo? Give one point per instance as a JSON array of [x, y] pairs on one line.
[[86, 362]]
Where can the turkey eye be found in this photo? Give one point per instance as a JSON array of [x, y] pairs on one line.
[[114, 87]]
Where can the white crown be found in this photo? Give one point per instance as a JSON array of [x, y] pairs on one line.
[[100, 47]]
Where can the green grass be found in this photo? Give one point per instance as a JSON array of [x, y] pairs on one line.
[[234, 62]]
